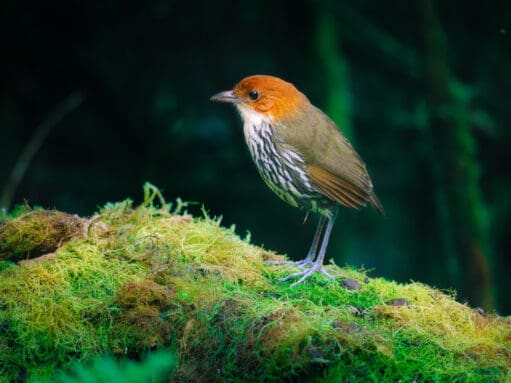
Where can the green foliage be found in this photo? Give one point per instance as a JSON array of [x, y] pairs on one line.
[[144, 278], [107, 370], [154, 368]]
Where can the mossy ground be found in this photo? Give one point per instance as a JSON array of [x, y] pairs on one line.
[[130, 280]]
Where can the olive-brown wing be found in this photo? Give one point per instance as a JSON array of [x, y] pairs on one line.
[[335, 168]]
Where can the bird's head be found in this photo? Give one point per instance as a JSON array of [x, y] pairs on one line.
[[266, 96]]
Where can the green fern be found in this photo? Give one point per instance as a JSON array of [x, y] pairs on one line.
[[155, 368]]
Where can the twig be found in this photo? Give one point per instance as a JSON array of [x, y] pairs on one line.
[[68, 105]]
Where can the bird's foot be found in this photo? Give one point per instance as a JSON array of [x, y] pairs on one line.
[[304, 264], [306, 273]]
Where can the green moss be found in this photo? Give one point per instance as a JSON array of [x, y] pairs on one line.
[[144, 278], [30, 233]]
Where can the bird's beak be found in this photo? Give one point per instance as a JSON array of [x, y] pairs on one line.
[[225, 96]]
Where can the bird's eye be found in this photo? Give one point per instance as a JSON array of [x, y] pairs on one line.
[[253, 95]]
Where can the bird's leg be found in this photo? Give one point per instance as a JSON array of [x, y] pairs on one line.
[[307, 261], [317, 265]]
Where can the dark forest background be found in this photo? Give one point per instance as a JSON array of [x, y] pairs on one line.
[[98, 97]]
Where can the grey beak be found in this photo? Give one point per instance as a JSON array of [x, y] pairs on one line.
[[225, 96]]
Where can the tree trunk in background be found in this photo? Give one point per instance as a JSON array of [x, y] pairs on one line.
[[459, 202]]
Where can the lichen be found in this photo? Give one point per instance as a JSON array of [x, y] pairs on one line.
[[143, 278]]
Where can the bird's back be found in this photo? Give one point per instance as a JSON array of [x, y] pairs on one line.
[[333, 166]]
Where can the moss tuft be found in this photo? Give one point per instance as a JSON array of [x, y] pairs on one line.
[[146, 293], [142, 323], [33, 233]]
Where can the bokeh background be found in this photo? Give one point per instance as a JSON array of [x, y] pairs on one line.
[[98, 97]]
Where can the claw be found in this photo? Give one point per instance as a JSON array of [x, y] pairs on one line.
[[327, 274]]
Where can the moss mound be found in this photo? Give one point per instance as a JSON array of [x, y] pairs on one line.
[[37, 232], [134, 279]]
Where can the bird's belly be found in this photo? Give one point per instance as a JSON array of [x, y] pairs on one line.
[[283, 170]]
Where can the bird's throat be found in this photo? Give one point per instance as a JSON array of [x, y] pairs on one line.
[[251, 117]]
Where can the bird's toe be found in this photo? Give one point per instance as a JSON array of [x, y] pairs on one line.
[[306, 273]]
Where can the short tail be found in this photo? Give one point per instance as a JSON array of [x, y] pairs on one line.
[[375, 202]]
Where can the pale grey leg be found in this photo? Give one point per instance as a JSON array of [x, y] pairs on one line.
[[317, 265], [308, 261]]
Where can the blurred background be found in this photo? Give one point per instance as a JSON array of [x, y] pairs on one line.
[[98, 97]]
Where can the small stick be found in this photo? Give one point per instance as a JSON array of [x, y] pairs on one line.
[[68, 105]]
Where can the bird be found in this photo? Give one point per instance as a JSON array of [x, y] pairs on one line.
[[302, 156]]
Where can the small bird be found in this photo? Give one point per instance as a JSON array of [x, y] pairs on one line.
[[302, 156]]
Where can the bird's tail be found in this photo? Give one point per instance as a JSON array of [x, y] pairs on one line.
[[375, 202]]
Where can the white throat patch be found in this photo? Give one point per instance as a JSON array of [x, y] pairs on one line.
[[251, 117]]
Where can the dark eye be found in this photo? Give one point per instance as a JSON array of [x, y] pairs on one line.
[[253, 94]]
